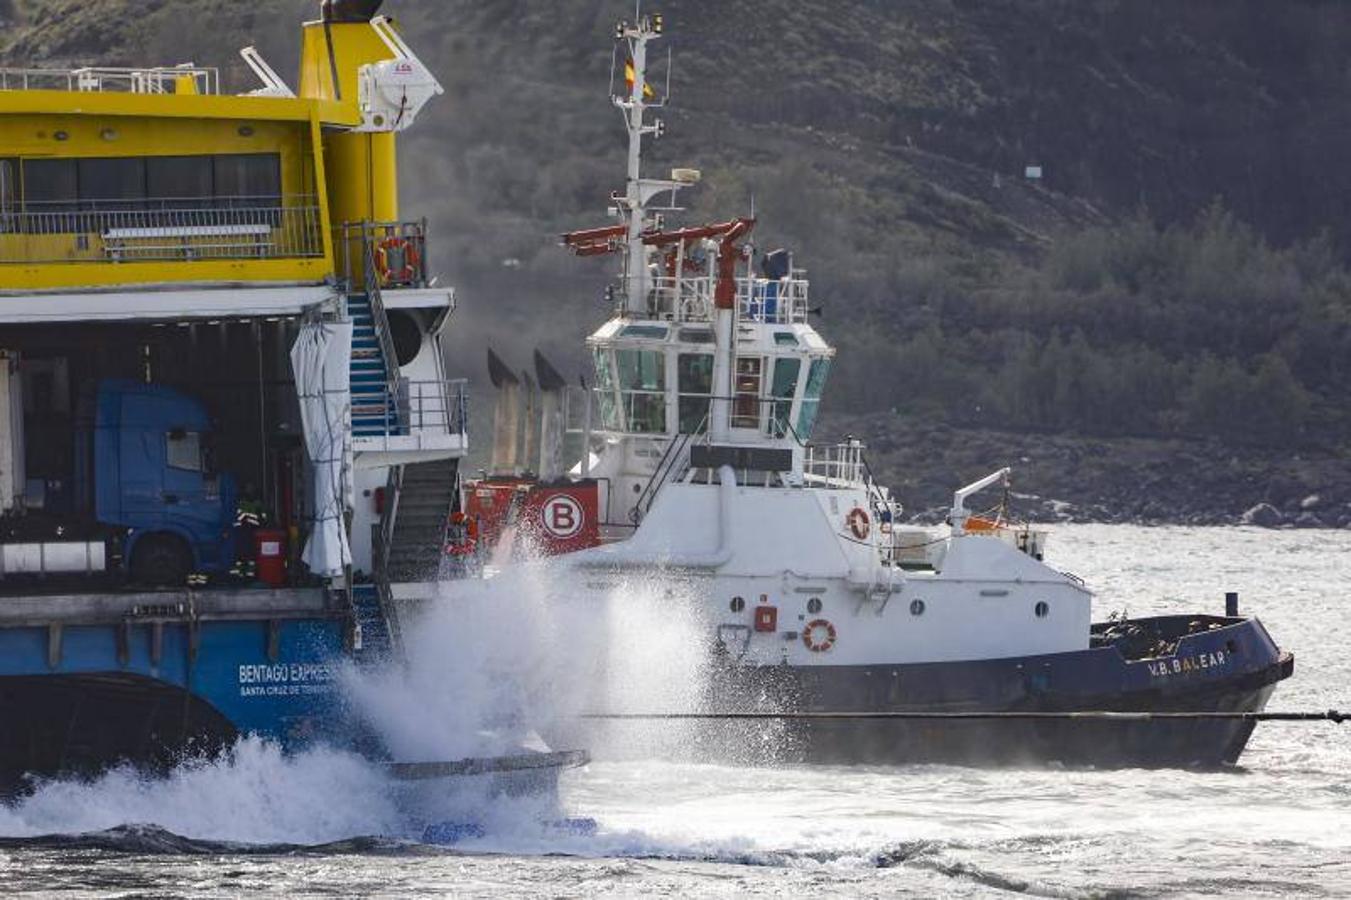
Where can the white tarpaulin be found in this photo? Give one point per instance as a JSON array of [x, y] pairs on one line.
[[322, 360]]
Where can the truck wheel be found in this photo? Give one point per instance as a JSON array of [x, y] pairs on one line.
[[161, 560]]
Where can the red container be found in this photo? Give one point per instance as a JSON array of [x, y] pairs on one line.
[[270, 557], [557, 518]]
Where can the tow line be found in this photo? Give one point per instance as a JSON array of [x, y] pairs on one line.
[[1330, 715]]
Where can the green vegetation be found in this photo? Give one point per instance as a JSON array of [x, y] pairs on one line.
[[1127, 329]]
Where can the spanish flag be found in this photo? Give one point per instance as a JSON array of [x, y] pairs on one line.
[[629, 75]]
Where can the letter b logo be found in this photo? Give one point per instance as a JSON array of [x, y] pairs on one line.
[[562, 516]]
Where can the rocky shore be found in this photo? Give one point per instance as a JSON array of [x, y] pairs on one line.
[[1059, 478]]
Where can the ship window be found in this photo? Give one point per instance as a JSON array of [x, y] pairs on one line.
[[644, 331], [183, 450], [696, 335], [247, 175], [99, 184], [178, 181], [746, 396], [642, 385], [605, 391], [694, 379], [811, 397], [9, 193], [53, 183], [782, 389], [785, 339], [112, 183]]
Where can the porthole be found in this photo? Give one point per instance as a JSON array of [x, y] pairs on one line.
[[814, 605], [916, 607], [1042, 609], [738, 604]]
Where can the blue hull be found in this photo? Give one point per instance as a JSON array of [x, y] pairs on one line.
[[149, 690], [1169, 664]]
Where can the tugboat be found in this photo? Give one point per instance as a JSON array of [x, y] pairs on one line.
[[708, 385], [228, 446]]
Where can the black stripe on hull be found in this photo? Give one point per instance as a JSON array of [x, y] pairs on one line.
[[84, 724], [1241, 669], [1013, 742]]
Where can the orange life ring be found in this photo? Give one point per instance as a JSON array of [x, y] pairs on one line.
[[407, 253], [809, 640], [859, 523]]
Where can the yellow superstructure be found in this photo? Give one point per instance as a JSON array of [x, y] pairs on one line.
[[151, 177], [363, 171]]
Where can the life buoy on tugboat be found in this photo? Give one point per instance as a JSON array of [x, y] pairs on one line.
[[859, 523], [818, 636], [396, 260]]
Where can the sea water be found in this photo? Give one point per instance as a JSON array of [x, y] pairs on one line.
[[672, 817]]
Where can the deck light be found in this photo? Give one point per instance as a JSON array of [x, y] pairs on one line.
[[61, 136], [620, 27], [108, 134], [657, 23], [246, 131]]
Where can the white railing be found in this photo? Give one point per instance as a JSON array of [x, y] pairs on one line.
[[186, 229], [89, 79], [781, 301], [690, 299], [427, 407], [836, 464], [683, 299]]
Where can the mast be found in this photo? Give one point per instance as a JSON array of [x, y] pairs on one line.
[[633, 206]]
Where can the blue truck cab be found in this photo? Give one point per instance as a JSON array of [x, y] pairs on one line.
[[144, 465]]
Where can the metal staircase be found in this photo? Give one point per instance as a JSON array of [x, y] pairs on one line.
[[374, 372], [672, 466], [426, 500]]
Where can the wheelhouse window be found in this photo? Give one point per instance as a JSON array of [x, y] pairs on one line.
[[782, 389], [694, 381], [811, 397], [746, 396], [605, 391], [642, 386], [656, 332]]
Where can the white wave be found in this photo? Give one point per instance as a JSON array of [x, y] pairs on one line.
[[254, 794]]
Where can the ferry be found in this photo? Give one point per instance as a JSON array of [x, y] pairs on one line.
[[228, 442], [695, 461]]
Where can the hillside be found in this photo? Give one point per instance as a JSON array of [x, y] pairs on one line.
[[1178, 273]]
